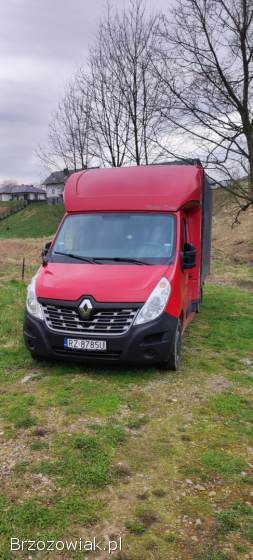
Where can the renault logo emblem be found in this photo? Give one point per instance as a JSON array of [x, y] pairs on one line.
[[85, 309]]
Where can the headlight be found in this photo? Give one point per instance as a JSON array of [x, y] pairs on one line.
[[155, 303], [32, 303]]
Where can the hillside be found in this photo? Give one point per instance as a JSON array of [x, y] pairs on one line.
[[232, 241], [36, 220], [11, 206]]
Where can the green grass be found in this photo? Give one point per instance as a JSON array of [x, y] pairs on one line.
[[76, 397], [138, 422], [15, 408], [224, 327], [81, 461], [238, 517], [38, 445], [32, 519], [86, 444], [36, 220], [231, 405], [136, 527], [222, 463]]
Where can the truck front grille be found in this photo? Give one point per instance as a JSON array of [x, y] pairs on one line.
[[103, 321]]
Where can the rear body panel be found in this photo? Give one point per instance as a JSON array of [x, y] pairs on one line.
[[143, 188]]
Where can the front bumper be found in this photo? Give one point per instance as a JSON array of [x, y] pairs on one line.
[[148, 343]]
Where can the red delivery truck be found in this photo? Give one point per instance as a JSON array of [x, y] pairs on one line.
[[123, 276]]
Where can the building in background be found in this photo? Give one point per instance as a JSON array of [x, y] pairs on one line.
[[22, 192], [54, 185]]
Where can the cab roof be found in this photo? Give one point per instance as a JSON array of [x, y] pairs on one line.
[[157, 188]]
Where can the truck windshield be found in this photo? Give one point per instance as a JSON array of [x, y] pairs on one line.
[[113, 237]]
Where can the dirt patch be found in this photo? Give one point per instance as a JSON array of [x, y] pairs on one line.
[[84, 425], [11, 453], [218, 384]]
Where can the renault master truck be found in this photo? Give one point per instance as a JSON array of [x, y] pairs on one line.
[[124, 273]]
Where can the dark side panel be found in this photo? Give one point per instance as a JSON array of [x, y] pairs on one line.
[[206, 229]]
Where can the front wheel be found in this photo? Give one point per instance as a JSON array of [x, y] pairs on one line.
[[174, 358], [37, 357]]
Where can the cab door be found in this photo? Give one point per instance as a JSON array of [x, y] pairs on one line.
[[187, 273]]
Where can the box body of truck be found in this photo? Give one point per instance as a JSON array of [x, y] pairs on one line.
[[125, 272]]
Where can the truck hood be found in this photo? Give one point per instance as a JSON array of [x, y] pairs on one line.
[[105, 283]]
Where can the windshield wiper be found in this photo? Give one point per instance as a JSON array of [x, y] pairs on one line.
[[96, 260], [72, 256], [121, 259]]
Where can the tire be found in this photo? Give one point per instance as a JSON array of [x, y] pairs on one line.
[[173, 361], [37, 357]]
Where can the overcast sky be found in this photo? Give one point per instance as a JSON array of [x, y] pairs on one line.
[[42, 43]]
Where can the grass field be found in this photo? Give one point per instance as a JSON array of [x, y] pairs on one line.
[[164, 460], [37, 220]]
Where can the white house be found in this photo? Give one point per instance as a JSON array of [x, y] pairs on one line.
[[54, 185], [21, 192]]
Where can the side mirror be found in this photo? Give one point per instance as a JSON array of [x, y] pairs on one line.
[[189, 256], [44, 252]]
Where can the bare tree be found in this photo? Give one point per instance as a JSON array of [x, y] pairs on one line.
[[205, 61], [126, 92], [109, 119], [8, 182], [110, 112], [69, 136]]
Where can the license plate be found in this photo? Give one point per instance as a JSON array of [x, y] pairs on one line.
[[80, 344]]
